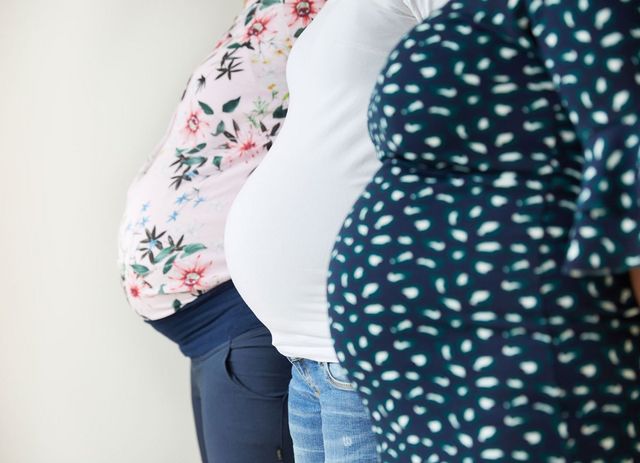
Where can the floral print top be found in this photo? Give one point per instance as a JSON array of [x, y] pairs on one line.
[[171, 237]]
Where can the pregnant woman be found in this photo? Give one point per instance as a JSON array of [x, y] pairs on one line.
[[283, 223], [171, 241], [480, 289]]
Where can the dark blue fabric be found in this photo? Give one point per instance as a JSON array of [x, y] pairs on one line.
[[239, 395], [478, 289], [208, 322]]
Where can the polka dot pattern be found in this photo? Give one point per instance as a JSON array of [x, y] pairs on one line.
[[478, 289]]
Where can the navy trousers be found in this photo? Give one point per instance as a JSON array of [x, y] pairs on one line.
[[239, 381], [239, 394]]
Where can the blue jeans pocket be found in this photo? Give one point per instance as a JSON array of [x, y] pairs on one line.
[[338, 376]]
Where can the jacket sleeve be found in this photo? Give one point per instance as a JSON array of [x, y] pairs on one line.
[[591, 50]]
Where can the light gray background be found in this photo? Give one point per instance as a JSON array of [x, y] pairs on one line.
[[86, 90]]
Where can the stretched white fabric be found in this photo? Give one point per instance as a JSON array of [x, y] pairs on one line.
[[281, 227]]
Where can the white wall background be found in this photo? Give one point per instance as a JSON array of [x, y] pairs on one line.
[[86, 89]]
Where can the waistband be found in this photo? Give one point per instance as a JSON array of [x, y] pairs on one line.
[[211, 320]]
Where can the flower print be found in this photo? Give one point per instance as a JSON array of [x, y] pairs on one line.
[[173, 216], [191, 277], [261, 107], [134, 290], [134, 283], [245, 146], [186, 166], [143, 221], [219, 126], [231, 63], [302, 11], [257, 29], [151, 243], [202, 83], [195, 126], [183, 198]]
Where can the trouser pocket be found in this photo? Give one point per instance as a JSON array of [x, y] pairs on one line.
[[255, 367], [338, 376]]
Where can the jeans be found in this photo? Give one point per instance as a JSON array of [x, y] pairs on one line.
[[239, 395], [327, 419]]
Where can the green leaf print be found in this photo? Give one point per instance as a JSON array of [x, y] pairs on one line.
[[217, 161], [206, 108], [231, 105], [194, 161], [177, 305], [219, 129], [280, 112], [197, 149], [298, 32], [266, 3], [163, 254], [140, 269], [169, 264], [192, 248], [250, 15]]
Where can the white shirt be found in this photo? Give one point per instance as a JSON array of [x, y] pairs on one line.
[[282, 226]]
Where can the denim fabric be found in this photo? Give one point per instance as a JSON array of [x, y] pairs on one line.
[[239, 395], [327, 419]]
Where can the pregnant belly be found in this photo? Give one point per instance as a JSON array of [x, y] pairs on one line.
[[455, 250], [278, 249]]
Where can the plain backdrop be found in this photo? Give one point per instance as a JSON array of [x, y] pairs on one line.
[[86, 90]]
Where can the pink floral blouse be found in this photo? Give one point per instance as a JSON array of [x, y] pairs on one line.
[[171, 237]]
